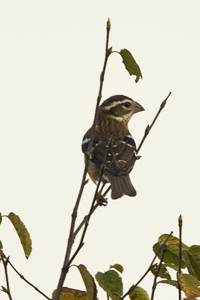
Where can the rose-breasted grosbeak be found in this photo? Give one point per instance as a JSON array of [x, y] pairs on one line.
[[112, 122]]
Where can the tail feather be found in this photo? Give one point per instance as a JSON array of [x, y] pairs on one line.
[[127, 186], [121, 185]]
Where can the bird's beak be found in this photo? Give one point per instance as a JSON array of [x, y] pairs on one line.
[[138, 108]]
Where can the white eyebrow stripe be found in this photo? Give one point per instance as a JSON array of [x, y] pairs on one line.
[[115, 103]]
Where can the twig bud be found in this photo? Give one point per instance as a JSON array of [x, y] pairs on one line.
[[180, 221], [147, 130], [108, 24]]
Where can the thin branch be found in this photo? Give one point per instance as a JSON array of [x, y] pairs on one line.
[[149, 127], [81, 243], [23, 278], [157, 272], [75, 210], [86, 217], [180, 223], [149, 268], [5, 263]]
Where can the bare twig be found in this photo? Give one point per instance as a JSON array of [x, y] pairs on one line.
[[180, 223], [149, 127], [5, 263], [159, 249], [86, 217], [23, 278], [81, 243], [157, 272], [75, 210]]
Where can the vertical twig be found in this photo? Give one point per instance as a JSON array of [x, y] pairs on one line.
[[75, 210], [157, 272], [81, 243], [180, 223], [5, 263]]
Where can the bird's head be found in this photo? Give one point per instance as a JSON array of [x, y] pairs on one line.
[[119, 108]]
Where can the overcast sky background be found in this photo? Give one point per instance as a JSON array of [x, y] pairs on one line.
[[51, 58]]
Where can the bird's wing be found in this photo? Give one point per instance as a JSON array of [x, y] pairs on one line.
[[121, 155]]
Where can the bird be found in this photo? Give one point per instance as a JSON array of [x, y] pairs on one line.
[[112, 138]]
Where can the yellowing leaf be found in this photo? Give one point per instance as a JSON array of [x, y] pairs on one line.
[[138, 294], [22, 232], [190, 285], [71, 294], [89, 282]]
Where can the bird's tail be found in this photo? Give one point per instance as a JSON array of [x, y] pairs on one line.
[[121, 185]]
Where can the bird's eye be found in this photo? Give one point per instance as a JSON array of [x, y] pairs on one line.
[[126, 104]]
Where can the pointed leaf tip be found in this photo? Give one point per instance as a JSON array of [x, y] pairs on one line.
[[117, 267]]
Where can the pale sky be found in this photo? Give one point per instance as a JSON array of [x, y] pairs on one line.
[[51, 58]]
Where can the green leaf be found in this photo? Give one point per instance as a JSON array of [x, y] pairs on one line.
[[172, 266], [130, 64], [117, 267], [89, 282], [163, 273], [138, 294], [171, 282], [22, 233], [190, 285], [194, 258], [111, 282], [172, 250]]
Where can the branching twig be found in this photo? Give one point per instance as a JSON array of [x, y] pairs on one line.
[[22, 277], [75, 210], [86, 217], [159, 249], [81, 243], [157, 272], [5, 263], [149, 127], [180, 223]]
